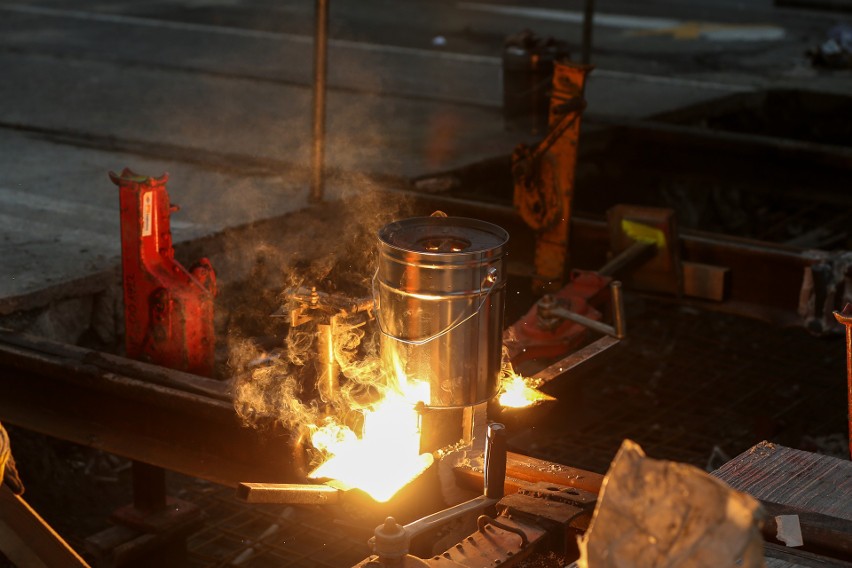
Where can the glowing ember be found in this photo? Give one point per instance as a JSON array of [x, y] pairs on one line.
[[520, 392]]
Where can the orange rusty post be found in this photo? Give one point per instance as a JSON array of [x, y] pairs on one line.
[[544, 176], [845, 317]]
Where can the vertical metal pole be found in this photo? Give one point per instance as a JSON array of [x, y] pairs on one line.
[[149, 487], [328, 370], [618, 323], [845, 317], [496, 446], [320, 73], [588, 24]]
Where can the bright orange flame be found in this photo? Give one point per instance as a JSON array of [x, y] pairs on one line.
[[386, 456], [520, 392], [384, 459]]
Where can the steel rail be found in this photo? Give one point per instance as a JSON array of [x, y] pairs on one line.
[[765, 278], [143, 412]]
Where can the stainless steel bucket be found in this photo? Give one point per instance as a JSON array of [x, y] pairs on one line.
[[440, 290]]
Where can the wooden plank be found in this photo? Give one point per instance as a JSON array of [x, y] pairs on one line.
[[781, 475], [817, 488], [27, 540]]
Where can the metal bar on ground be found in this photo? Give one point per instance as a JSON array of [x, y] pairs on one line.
[[290, 493], [27, 540], [576, 358], [320, 75]]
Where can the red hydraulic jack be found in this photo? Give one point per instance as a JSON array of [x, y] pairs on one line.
[[168, 310], [168, 319]]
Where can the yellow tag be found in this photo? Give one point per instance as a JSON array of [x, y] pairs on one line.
[[643, 233], [147, 213]]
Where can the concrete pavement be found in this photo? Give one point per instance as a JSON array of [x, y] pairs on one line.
[[80, 81]]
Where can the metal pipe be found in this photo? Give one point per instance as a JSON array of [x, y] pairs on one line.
[[550, 310], [594, 325], [320, 74], [588, 24], [328, 370], [618, 321], [495, 460], [632, 257]]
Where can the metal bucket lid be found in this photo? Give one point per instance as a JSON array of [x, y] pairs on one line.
[[445, 239]]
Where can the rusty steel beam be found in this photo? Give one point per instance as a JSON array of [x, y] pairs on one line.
[[146, 413], [522, 470], [187, 424], [765, 278]]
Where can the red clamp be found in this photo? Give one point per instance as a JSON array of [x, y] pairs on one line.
[[168, 310], [530, 337]]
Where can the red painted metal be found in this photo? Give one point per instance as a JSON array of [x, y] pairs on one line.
[[527, 339], [168, 310]]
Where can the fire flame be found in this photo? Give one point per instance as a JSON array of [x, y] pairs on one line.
[[519, 392], [386, 456]]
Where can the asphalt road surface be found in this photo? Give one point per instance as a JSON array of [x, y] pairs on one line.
[[194, 87], [691, 37]]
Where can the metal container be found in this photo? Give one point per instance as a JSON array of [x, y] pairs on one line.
[[440, 290]]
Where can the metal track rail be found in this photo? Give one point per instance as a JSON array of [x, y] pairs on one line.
[[143, 412]]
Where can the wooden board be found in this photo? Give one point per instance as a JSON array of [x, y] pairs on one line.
[[807, 481], [29, 541], [816, 488]]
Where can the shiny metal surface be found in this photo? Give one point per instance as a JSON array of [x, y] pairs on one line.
[[440, 292]]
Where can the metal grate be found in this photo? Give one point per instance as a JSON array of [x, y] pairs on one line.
[[262, 536], [697, 387]]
